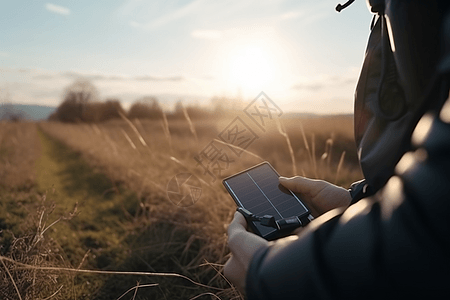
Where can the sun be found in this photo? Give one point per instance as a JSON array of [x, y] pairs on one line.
[[248, 61], [250, 67]]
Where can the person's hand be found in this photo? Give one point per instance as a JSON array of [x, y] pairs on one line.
[[243, 245], [320, 196]]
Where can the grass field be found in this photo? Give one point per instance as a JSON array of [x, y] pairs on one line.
[[105, 187]]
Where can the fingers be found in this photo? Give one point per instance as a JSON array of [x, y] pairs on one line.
[[238, 224], [300, 184], [240, 219]]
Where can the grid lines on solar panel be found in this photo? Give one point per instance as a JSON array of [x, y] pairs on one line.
[[258, 190], [250, 196]]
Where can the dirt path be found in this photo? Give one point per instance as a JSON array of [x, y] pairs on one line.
[[99, 228], [64, 171]]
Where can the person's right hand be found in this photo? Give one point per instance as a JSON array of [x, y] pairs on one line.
[[319, 195]]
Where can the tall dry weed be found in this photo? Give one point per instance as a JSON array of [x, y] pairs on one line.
[[135, 130], [165, 125], [33, 247], [191, 124], [282, 131]]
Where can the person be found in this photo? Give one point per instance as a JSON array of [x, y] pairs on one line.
[[387, 236]]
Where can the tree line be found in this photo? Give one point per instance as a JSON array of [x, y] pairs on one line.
[[80, 104]]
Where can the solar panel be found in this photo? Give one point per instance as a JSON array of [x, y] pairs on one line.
[[258, 190]]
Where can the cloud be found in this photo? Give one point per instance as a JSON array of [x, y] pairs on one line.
[[291, 15], [312, 86], [60, 10], [44, 77], [72, 75], [206, 34], [320, 82], [91, 76], [109, 77], [48, 75], [308, 12], [14, 70], [243, 32], [152, 78], [175, 15]]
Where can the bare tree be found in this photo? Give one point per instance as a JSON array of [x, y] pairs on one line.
[[77, 97], [145, 108], [112, 110]]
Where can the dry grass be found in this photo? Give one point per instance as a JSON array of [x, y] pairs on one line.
[[19, 149], [144, 155], [32, 247]]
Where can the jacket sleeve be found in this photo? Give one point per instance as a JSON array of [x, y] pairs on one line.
[[393, 245]]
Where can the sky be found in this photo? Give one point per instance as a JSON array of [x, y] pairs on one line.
[[303, 54]]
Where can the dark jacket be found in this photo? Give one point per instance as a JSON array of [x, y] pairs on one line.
[[394, 241]]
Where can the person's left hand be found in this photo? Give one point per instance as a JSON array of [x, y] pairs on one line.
[[243, 245]]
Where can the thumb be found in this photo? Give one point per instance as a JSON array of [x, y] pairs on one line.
[[237, 224], [299, 184]]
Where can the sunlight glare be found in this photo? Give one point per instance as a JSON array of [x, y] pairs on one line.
[[250, 67]]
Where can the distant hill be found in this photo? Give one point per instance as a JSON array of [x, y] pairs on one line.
[[28, 112]]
